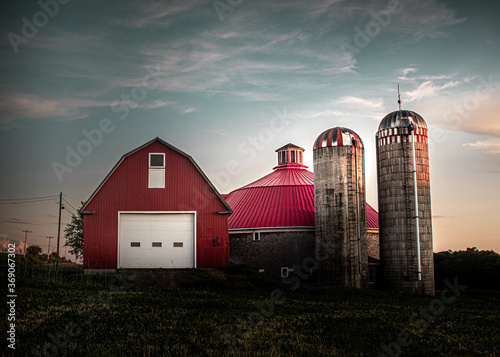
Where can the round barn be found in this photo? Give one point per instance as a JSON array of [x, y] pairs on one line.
[[273, 225]]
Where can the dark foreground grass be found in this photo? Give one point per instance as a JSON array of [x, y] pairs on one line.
[[237, 312]]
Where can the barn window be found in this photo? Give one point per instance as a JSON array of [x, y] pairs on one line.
[[293, 156], [285, 271], [156, 177], [135, 244], [256, 236], [157, 244], [371, 275], [178, 244], [156, 160]]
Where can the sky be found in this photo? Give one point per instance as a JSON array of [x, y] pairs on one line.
[[230, 81]]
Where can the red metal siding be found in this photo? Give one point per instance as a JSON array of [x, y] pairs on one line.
[[126, 189]]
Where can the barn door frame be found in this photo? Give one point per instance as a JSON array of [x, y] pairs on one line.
[[118, 236]]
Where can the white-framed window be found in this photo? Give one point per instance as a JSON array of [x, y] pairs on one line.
[[135, 244], [256, 236], [156, 244], [156, 160], [156, 178], [285, 271], [261, 270], [293, 156]]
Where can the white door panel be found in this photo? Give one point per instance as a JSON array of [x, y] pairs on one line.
[[149, 228]]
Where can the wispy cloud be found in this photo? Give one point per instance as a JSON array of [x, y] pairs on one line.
[[188, 110], [473, 110], [489, 146], [327, 113], [440, 216], [374, 103], [425, 19], [156, 13], [15, 106], [427, 89], [218, 131], [406, 71], [156, 104]]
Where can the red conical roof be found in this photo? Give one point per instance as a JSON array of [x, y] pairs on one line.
[[284, 198]]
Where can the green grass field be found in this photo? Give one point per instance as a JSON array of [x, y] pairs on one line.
[[238, 312]]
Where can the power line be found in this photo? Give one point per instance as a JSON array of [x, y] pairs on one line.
[[28, 198], [76, 199], [69, 204], [6, 202]]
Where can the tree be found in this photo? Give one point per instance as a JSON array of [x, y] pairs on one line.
[[74, 236], [478, 269], [33, 254], [34, 250]]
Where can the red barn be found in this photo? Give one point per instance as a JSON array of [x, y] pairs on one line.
[[156, 209]]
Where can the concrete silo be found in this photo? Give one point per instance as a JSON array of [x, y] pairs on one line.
[[340, 208], [404, 203]]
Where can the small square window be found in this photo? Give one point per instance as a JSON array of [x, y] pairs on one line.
[[285, 271], [135, 244], [156, 160], [256, 236], [157, 244]]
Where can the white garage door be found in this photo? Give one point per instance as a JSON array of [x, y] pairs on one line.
[[156, 240]]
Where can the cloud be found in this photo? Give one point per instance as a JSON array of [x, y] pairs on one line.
[[28, 106], [439, 216], [374, 104], [489, 146], [219, 131], [424, 19], [473, 110], [155, 13], [427, 89], [406, 71], [188, 110], [327, 113], [156, 104]]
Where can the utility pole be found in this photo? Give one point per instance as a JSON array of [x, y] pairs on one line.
[[48, 252], [59, 229], [26, 241]]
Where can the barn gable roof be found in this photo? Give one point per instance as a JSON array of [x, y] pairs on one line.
[[170, 147]]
